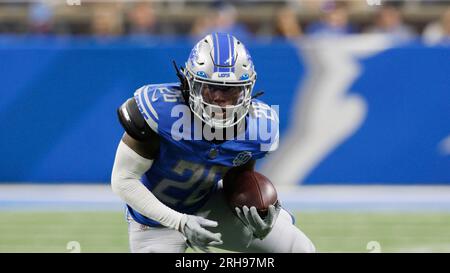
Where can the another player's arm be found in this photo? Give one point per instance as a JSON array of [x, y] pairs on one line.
[[134, 157]]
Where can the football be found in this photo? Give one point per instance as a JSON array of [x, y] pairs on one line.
[[250, 188]]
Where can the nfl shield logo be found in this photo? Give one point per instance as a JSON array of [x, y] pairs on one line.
[[242, 158]]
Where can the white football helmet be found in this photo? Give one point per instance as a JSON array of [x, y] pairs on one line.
[[220, 75]]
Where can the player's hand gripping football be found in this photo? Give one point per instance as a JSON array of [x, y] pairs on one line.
[[193, 228], [258, 226]]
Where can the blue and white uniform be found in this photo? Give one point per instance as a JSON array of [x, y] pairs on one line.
[[187, 168], [217, 84]]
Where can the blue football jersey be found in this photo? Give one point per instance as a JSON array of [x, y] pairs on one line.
[[188, 167]]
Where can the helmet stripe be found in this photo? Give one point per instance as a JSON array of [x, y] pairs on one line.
[[230, 56], [232, 53], [216, 50], [223, 52]]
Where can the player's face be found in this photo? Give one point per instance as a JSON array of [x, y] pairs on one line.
[[221, 95]]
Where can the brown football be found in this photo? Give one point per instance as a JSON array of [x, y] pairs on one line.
[[250, 188]]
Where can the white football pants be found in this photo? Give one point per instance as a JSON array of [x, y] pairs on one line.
[[285, 237]]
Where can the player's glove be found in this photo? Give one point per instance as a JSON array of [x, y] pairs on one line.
[[193, 228], [252, 220]]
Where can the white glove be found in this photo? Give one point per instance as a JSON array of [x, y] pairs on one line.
[[251, 219], [193, 229]]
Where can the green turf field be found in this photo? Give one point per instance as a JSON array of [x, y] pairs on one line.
[[331, 232]]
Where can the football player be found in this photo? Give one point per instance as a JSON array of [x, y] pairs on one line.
[[182, 140]]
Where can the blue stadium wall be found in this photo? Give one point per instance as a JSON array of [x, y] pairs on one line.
[[58, 101]]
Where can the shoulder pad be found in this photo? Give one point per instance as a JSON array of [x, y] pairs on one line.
[[132, 121], [155, 103]]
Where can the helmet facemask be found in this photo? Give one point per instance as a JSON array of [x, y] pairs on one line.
[[220, 105]]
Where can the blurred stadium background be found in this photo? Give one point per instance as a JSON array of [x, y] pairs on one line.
[[363, 90]]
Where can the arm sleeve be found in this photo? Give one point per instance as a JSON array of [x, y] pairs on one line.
[[125, 182]]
